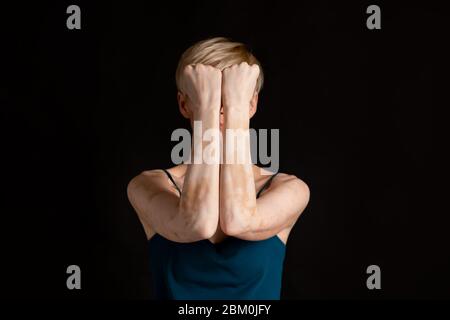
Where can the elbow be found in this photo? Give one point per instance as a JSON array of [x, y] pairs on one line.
[[205, 232], [231, 230], [234, 227], [202, 231], [199, 226], [194, 231]]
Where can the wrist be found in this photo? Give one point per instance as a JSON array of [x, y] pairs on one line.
[[206, 114], [235, 105], [237, 118]]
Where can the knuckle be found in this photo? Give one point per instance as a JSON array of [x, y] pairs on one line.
[[211, 69]]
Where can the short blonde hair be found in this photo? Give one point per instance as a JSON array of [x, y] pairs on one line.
[[220, 53]]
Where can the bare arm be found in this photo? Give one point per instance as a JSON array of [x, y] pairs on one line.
[[241, 214], [237, 187], [193, 216], [277, 209]]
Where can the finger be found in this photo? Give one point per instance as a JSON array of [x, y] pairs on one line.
[[255, 69]]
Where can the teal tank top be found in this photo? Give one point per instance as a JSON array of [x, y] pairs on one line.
[[233, 269]]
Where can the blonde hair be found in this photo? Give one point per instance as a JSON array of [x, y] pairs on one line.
[[220, 53]]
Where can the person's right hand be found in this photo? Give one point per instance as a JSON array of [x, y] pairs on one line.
[[202, 86]]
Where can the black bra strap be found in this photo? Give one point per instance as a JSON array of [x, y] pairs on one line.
[[173, 181], [266, 184]]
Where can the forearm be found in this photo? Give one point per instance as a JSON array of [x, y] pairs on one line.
[[237, 188], [199, 203]]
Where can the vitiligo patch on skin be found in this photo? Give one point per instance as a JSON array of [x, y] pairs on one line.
[[237, 146], [238, 189]]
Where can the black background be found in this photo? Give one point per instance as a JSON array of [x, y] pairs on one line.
[[83, 111]]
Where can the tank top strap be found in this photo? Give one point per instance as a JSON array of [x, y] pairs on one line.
[[171, 179], [266, 185]]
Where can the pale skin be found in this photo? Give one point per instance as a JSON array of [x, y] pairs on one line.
[[218, 200]]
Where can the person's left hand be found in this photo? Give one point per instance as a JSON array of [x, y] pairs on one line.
[[238, 85]]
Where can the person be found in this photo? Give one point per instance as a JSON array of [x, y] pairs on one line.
[[218, 229]]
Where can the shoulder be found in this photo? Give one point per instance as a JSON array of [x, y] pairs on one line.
[[144, 176], [287, 187], [290, 181], [292, 195], [140, 190], [145, 180], [158, 180], [292, 188]]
